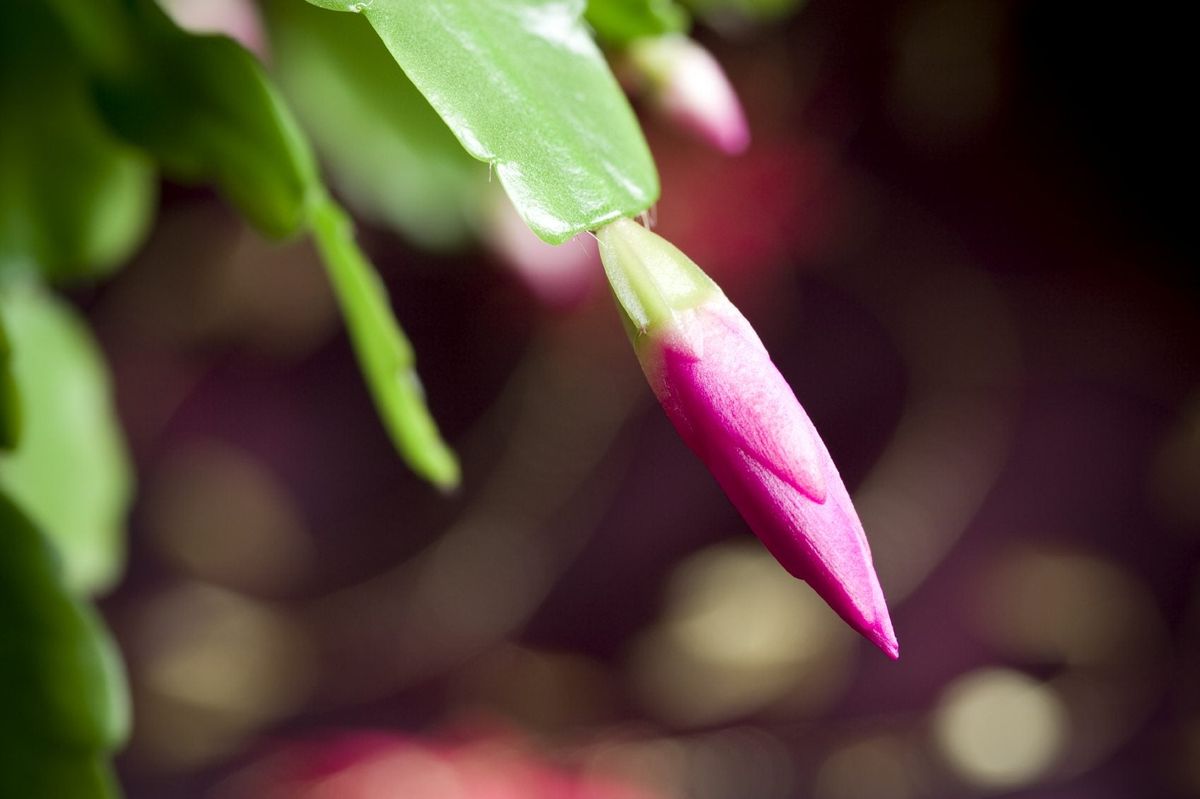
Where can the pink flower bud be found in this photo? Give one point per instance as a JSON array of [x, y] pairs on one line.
[[731, 406], [685, 82]]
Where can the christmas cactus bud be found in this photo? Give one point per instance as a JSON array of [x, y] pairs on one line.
[[686, 83], [733, 408]]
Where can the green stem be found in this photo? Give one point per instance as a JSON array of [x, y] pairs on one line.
[[651, 279], [384, 353]]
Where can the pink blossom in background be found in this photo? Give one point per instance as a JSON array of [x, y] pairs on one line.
[[383, 766], [237, 19], [733, 408], [561, 276], [791, 196], [683, 81]]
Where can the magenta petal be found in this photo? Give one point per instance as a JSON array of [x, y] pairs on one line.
[[733, 408], [729, 403], [733, 386]]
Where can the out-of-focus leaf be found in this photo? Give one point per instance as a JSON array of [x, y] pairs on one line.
[[384, 354], [204, 108], [101, 31], [523, 86], [74, 201], [723, 13], [70, 472], [10, 400], [618, 22], [62, 688], [387, 150]]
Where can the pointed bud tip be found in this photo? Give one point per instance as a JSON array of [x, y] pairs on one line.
[[883, 636], [702, 100]]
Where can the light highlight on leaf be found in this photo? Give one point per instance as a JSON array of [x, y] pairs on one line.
[[524, 87]]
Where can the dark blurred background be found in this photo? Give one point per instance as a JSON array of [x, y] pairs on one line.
[[965, 232]]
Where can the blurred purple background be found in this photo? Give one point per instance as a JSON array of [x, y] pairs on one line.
[[964, 230]]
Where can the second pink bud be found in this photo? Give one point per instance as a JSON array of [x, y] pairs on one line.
[[683, 81]]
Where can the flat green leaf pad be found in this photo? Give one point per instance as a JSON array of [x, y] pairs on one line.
[[523, 86]]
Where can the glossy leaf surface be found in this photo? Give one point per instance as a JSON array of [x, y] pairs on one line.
[[523, 86], [61, 682], [70, 471]]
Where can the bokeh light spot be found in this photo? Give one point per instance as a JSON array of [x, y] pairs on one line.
[[878, 767], [209, 668], [739, 633], [999, 728], [218, 514]]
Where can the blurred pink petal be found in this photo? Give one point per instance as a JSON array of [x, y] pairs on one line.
[[687, 84], [733, 408], [237, 19], [381, 766], [791, 197], [559, 276]]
